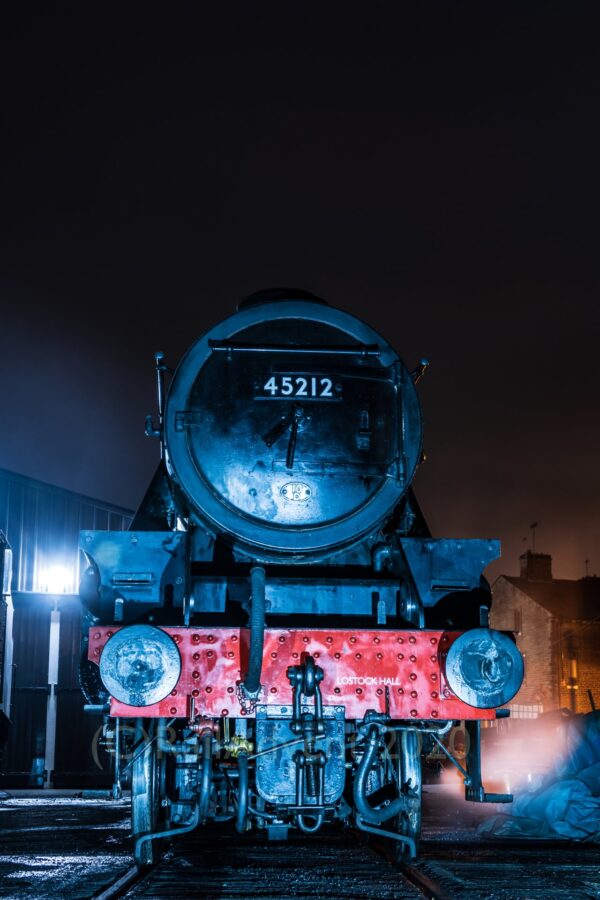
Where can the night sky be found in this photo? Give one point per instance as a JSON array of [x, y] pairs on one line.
[[429, 167]]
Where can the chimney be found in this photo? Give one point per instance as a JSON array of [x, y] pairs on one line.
[[536, 566]]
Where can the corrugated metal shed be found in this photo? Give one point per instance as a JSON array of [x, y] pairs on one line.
[[42, 523]]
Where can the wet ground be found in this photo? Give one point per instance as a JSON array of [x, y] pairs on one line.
[[58, 846]]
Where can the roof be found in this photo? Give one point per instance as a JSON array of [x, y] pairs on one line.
[[562, 598]]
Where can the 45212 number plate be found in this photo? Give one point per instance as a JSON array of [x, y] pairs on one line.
[[308, 386]]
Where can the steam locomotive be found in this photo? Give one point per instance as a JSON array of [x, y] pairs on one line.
[[278, 637]]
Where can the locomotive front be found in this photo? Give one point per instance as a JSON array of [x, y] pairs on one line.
[[279, 625]]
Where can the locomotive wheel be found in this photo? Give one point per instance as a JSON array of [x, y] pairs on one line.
[[145, 791], [410, 784]]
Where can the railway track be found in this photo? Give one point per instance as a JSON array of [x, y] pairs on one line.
[[341, 867], [336, 866]]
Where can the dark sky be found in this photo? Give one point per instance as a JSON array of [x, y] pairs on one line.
[[430, 167]]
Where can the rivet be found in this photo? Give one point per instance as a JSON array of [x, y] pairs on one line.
[[400, 656], [294, 656], [433, 640], [195, 674], [224, 712], [306, 639], [234, 638], [97, 651], [380, 656], [433, 658], [230, 690], [379, 691], [413, 713], [337, 655], [412, 639], [434, 695], [109, 634], [434, 713], [177, 638], [230, 654], [412, 676], [97, 636], [174, 692], [281, 639], [359, 690], [195, 692], [196, 656], [400, 640], [413, 658], [210, 638], [358, 655], [173, 710], [208, 690], [337, 691], [329, 640], [376, 640], [352, 640], [273, 690], [273, 655], [209, 653], [196, 638], [433, 676], [413, 694], [400, 690]]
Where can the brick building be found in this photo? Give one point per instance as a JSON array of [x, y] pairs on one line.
[[557, 623]]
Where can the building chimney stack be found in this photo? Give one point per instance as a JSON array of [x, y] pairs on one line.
[[536, 566]]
